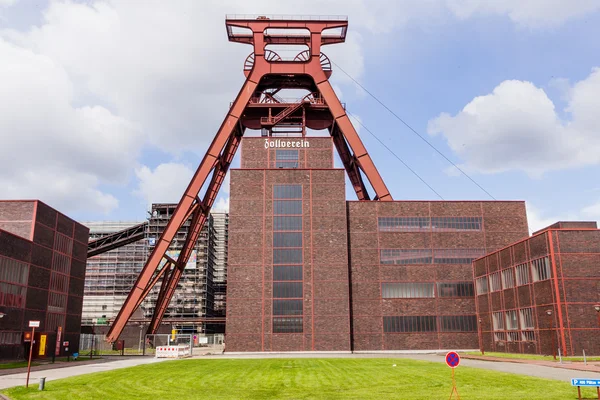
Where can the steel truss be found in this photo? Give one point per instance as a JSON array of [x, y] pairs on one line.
[[257, 106]]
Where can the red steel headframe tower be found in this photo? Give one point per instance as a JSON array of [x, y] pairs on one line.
[[257, 106]]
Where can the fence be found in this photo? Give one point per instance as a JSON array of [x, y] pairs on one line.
[[168, 346]]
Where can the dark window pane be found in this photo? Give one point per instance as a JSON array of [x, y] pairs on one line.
[[406, 290], [283, 155], [287, 325], [458, 323], [287, 290], [287, 191], [409, 324], [287, 207], [287, 307], [287, 239], [287, 273], [287, 256], [460, 289], [287, 223]]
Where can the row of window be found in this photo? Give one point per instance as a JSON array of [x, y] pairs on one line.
[[420, 224], [449, 323], [287, 249], [429, 256], [13, 271], [413, 290], [522, 274], [512, 319]]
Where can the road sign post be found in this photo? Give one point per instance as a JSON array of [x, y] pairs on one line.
[[453, 361], [579, 382], [32, 325]]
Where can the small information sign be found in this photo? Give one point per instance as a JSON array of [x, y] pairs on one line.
[[34, 324]]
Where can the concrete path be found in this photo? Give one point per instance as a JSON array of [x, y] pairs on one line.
[[8, 381]]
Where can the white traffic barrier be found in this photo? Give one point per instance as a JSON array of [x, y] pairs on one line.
[[172, 351]]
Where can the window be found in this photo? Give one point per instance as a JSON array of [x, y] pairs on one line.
[[287, 239], [287, 307], [460, 289], [287, 249], [287, 223], [57, 302], [522, 274], [63, 243], [528, 336], [286, 158], [512, 336], [53, 321], [456, 256], [452, 224], [403, 224], [482, 285], [401, 256], [495, 282], [8, 338], [287, 256], [498, 321], [287, 191], [287, 207], [511, 320], [12, 295], [508, 278], [59, 282], [458, 323], [407, 290], [287, 273], [287, 290], [13, 271], [526, 316], [61, 263], [540, 269], [500, 336], [287, 325], [420, 224], [409, 324]]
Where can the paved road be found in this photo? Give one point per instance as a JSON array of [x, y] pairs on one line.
[[8, 381]]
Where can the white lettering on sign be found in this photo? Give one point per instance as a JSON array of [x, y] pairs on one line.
[[279, 143], [34, 324]]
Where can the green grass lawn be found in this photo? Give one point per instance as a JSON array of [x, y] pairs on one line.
[[298, 379], [531, 356], [19, 364]]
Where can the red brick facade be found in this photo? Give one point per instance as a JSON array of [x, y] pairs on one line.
[[560, 274], [42, 268], [360, 260]]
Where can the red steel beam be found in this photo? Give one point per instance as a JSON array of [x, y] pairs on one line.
[[224, 146], [185, 204]]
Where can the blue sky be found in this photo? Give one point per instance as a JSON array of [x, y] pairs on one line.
[[109, 106]]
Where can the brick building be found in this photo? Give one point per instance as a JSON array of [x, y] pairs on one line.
[[42, 267], [538, 295], [310, 271]]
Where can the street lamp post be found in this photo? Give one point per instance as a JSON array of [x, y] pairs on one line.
[[552, 333], [597, 308]]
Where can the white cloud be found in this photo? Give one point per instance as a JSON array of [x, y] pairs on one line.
[[528, 13], [516, 127], [96, 81], [592, 211], [51, 149], [165, 184], [7, 3], [222, 204]]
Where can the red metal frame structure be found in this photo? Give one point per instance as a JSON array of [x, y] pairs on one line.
[[257, 106]]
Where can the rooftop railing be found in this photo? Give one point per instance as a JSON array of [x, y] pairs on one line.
[[287, 17]]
